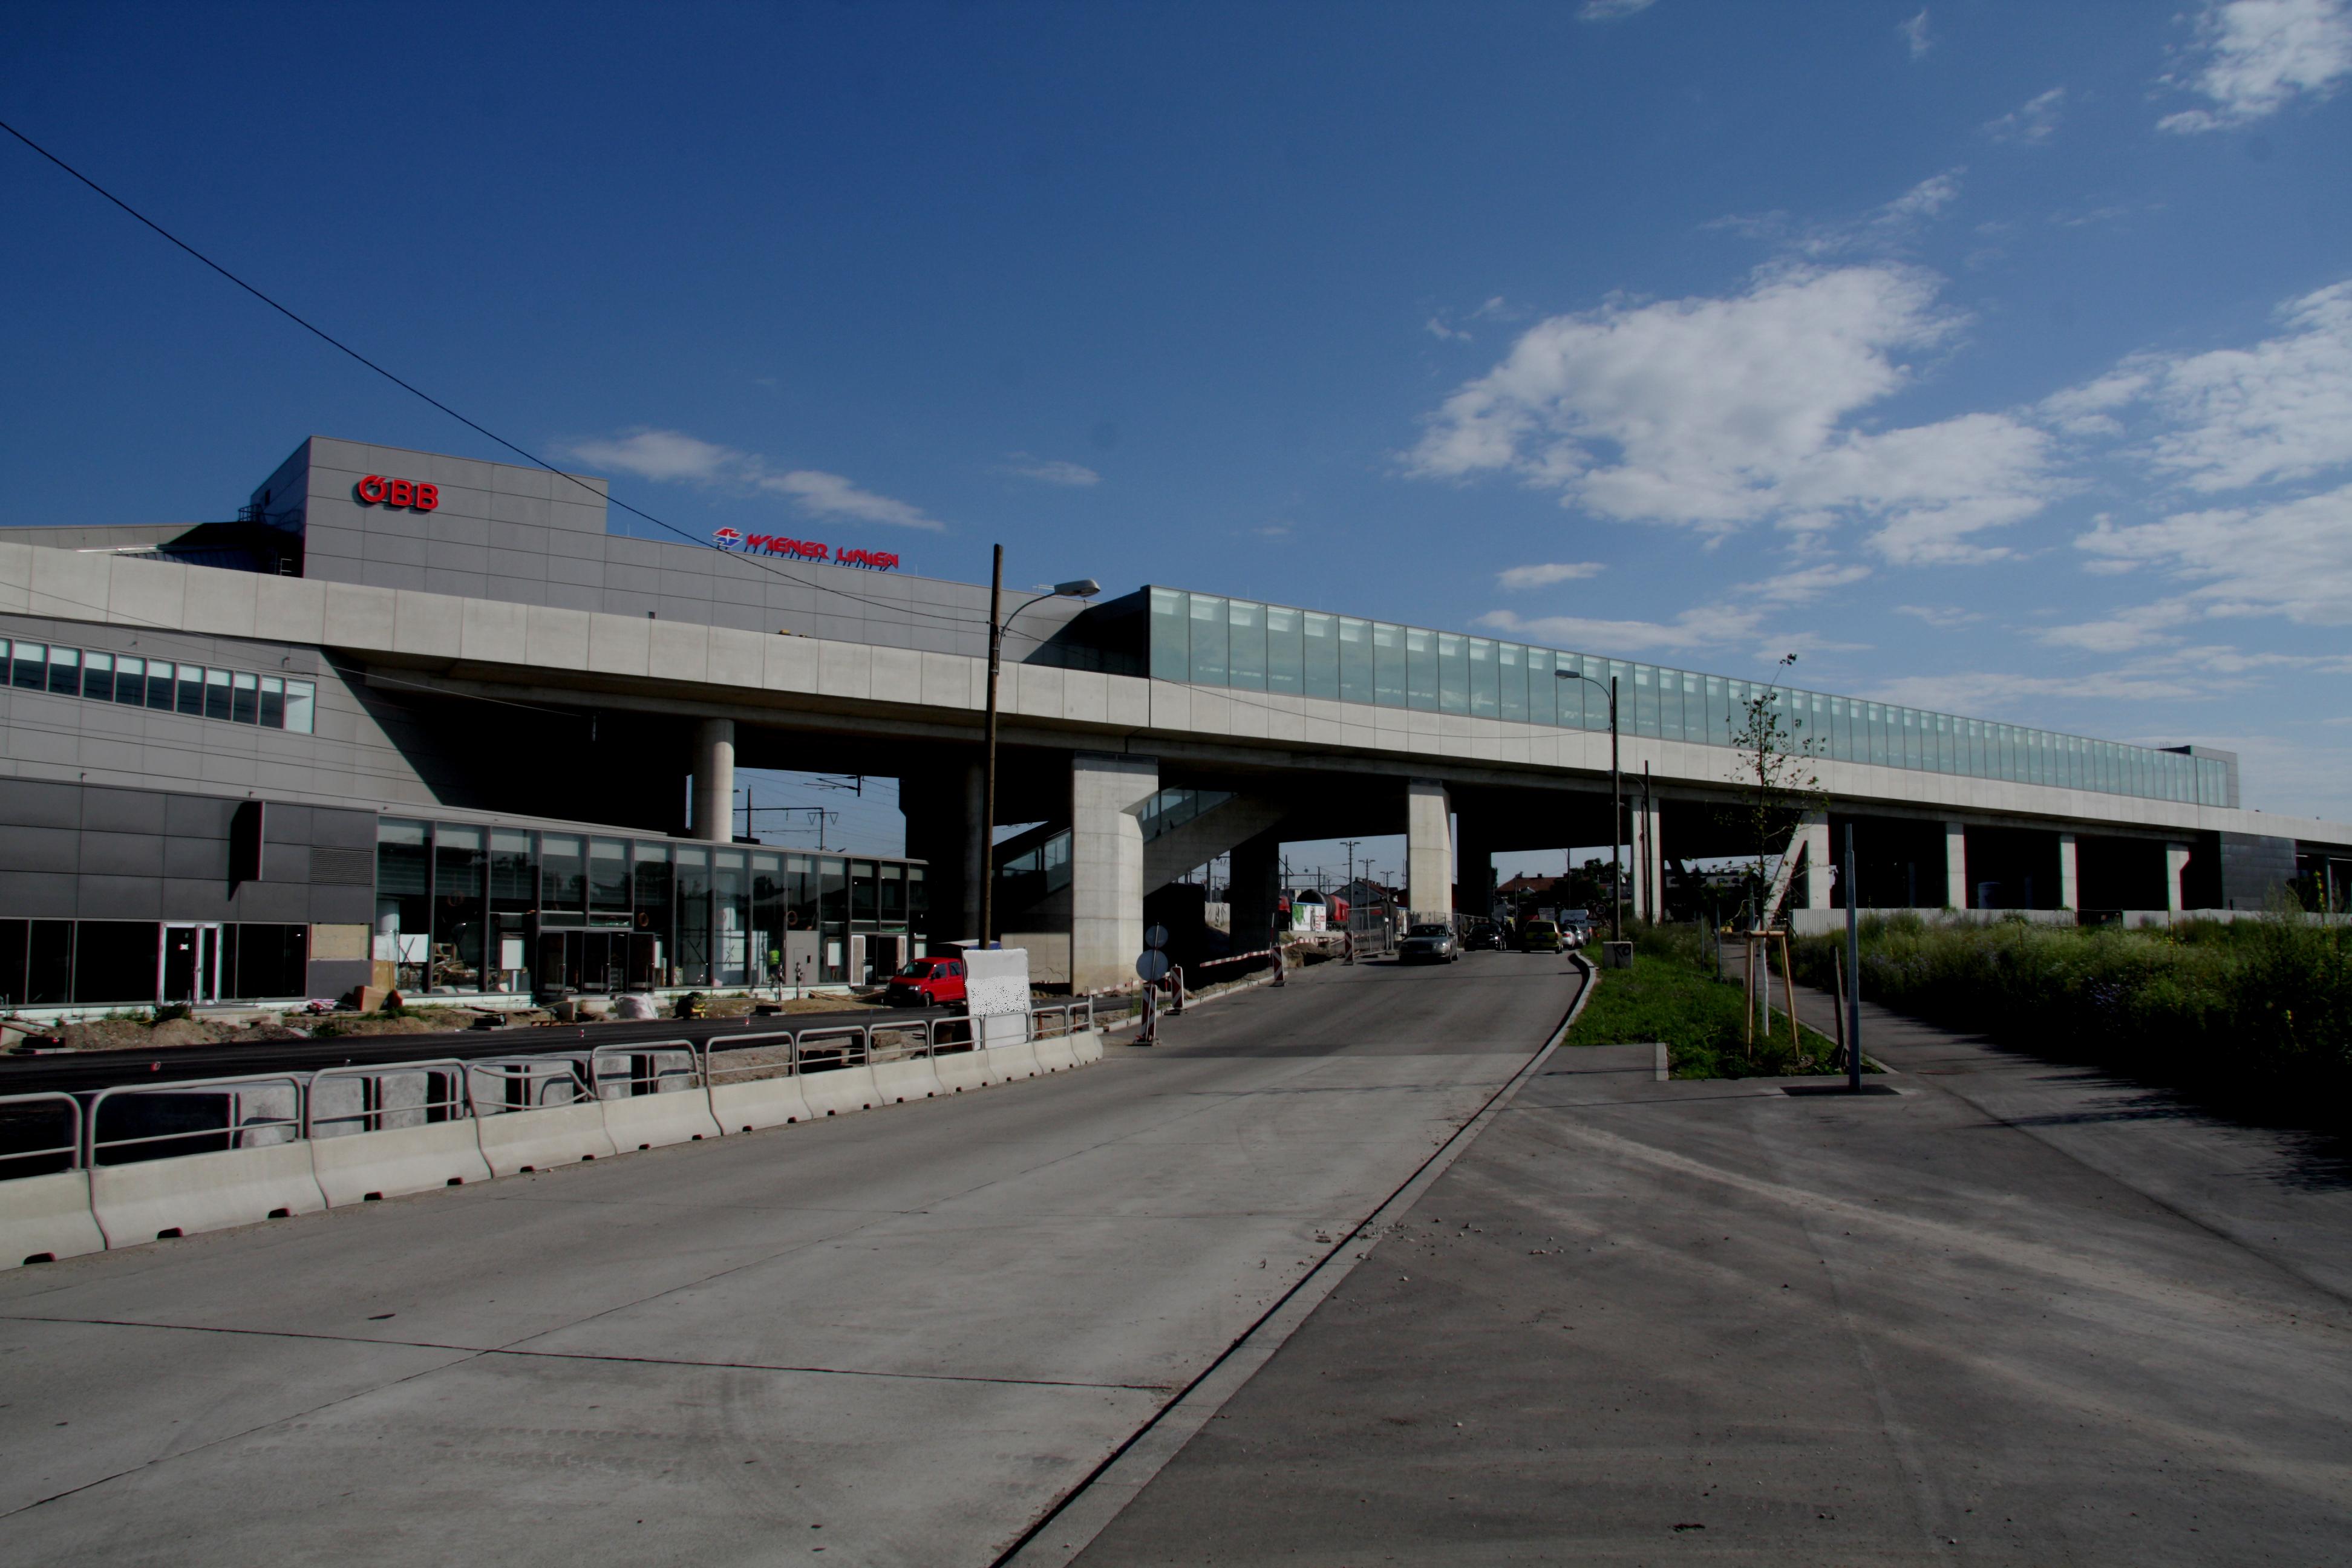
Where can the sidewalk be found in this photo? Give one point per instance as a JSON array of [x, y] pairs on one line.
[[2013, 1313]]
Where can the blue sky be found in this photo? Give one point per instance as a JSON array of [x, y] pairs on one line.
[[1990, 356]]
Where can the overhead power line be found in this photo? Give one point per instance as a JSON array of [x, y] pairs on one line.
[[482, 430]]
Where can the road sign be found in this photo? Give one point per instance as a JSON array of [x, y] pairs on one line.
[[1155, 936], [1153, 965]]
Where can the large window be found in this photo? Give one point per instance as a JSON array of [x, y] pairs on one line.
[[229, 695], [1213, 640]]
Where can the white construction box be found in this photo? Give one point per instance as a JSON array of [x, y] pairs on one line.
[[996, 993]]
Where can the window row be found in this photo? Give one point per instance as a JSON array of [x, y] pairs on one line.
[[1207, 640], [461, 907], [58, 963], [201, 691]]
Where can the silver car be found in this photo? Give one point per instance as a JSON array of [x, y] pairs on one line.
[[1429, 944]]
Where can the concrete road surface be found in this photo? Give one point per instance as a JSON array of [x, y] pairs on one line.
[[2016, 1313], [893, 1338]]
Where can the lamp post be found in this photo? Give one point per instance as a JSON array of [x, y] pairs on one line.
[[1083, 588], [1616, 808]]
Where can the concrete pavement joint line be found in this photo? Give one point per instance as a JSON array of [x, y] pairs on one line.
[[1943, 1083], [477, 1352], [2022, 1255], [1196, 1400]]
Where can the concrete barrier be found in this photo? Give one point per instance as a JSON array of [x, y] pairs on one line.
[[43, 1218], [651, 1120], [752, 1103], [358, 1167], [839, 1091], [186, 1194], [1055, 1053], [963, 1071], [1015, 1061], [897, 1082], [515, 1141], [1087, 1046]]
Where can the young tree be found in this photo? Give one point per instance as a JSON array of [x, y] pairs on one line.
[[1778, 783]]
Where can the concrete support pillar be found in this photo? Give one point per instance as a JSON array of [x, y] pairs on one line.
[[1107, 794], [973, 866], [1813, 832], [2176, 867], [943, 802], [2070, 879], [1649, 861], [1956, 867], [1256, 889], [714, 780], [1429, 849]]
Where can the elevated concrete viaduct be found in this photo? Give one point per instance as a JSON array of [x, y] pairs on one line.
[[1141, 742]]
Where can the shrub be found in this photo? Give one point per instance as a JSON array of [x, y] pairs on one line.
[[2258, 1009]]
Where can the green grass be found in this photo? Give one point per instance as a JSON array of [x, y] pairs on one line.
[[1670, 994], [2257, 1011]]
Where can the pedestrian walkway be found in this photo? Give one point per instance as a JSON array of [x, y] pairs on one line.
[[2016, 1313]]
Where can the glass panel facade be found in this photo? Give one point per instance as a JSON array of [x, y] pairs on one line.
[[1212, 640]]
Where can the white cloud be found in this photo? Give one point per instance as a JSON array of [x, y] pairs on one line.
[[1807, 583], [2281, 410], [1982, 691], [1049, 470], [2031, 122], [1718, 413], [829, 495], [1915, 34], [1514, 578], [2259, 54], [1609, 10], [667, 456], [1939, 615], [1709, 626], [1436, 328], [673, 456], [2291, 558]]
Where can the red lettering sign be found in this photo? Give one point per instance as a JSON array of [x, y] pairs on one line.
[[377, 490]]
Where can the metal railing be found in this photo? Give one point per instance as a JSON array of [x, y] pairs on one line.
[[126, 1123], [199, 1116], [447, 1096], [17, 1139]]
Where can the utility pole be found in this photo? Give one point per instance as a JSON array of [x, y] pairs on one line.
[[988, 765]]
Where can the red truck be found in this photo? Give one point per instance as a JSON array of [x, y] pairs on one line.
[[936, 980]]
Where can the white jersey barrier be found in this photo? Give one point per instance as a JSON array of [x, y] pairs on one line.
[[535, 1113], [379, 1132], [653, 1094], [44, 1212], [184, 1157], [754, 1082], [141, 1163]]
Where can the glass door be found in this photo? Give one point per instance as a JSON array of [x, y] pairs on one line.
[[189, 969]]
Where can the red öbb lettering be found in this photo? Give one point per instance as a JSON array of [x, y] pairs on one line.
[[377, 490]]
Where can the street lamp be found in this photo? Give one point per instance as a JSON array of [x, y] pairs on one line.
[[1616, 809], [1083, 588]]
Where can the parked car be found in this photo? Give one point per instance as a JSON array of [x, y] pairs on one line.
[[933, 981], [1429, 944], [1541, 936]]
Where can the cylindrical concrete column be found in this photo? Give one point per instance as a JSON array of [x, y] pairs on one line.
[[1957, 893], [2070, 874], [714, 780]]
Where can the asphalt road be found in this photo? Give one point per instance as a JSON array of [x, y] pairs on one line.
[[2015, 1313], [77, 1072], [896, 1336]]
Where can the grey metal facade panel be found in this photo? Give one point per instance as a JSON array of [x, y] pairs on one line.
[[2253, 868], [37, 895], [122, 810], [286, 824], [106, 898], [196, 899], [529, 565], [199, 817], [200, 859], [40, 849], [335, 830], [579, 569], [457, 583], [30, 803], [287, 902], [117, 855]]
